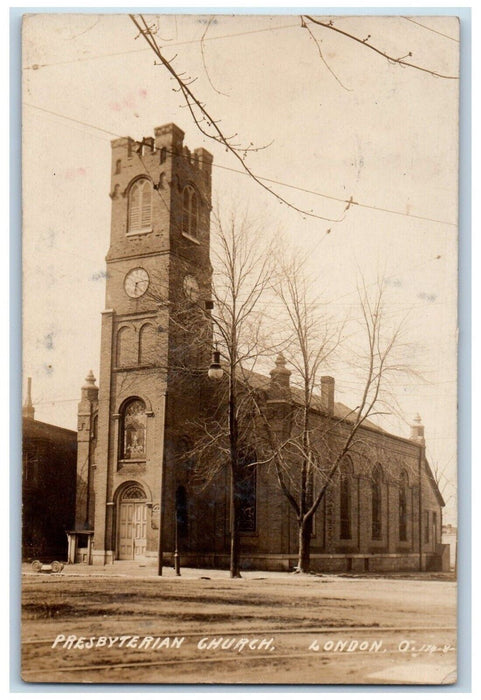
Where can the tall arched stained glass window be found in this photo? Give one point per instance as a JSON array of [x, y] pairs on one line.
[[376, 503], [403, 520], [345, 499], [134, 421]]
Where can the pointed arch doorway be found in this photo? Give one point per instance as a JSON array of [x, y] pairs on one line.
[[132, 523]]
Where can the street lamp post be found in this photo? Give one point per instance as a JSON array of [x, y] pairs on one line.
[[176, 542]]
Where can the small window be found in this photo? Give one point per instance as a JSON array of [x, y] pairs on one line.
[[82, 541], [118, 167], [134, 421], [190, 212], [140, 206], [163, 155]]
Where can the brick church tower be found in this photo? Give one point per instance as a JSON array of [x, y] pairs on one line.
[[155, 346]]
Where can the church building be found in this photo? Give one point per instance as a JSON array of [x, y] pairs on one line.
[[135, 498]]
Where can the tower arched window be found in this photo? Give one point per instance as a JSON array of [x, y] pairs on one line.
[[190, 212], [376, 503], [126, 355], [345, 499], [140, 206], [133, 429], [403, 519], [147, 345]]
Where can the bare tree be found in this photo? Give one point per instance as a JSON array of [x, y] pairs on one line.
[[308, 454], [224, 436]]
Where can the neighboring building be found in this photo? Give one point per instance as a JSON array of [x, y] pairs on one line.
[[135, 496], [48, 486], [450, 537]]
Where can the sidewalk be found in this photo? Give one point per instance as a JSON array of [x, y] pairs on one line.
[[148, 569]]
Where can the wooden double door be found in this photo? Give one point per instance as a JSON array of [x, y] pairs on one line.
[[132, 542]]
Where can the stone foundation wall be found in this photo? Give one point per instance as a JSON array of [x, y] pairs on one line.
[[320, 563]]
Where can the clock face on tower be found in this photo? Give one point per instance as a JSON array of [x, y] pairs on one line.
[[191, 288], [136, 282]]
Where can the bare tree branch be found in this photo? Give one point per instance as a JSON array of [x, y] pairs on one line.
[[219, 92], [305, 26], [203, 120], [364, 42]]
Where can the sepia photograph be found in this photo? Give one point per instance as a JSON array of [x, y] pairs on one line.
[[239, 351]]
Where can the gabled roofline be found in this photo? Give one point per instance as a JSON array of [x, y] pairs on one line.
[[48, 426], [430, 475]]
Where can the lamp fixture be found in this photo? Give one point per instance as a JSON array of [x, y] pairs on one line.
[[215, 370]]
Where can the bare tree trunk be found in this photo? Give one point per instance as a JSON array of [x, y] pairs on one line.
[[234, 533], [304, 554], [234, 456]]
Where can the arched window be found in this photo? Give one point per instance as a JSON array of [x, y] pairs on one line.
[[403, 487], [140, 206], [133, 492], [376, 503], [134, 421], [345, 499], [190, 212]]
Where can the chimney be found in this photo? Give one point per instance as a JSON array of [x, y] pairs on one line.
[[327, 394], [28, 410], [417, 430]]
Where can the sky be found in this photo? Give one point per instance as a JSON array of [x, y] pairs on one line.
[[332, 121]]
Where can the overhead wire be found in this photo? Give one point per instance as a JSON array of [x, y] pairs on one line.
[[430, 29], [316, 193], [37, 66]]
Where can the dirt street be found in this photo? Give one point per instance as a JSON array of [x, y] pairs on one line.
[[104, 627]]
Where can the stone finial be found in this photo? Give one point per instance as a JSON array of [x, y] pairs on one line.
[[417, 429], [89, 380], [90, 390], [279, 384], [28, 410], [280, 374]]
